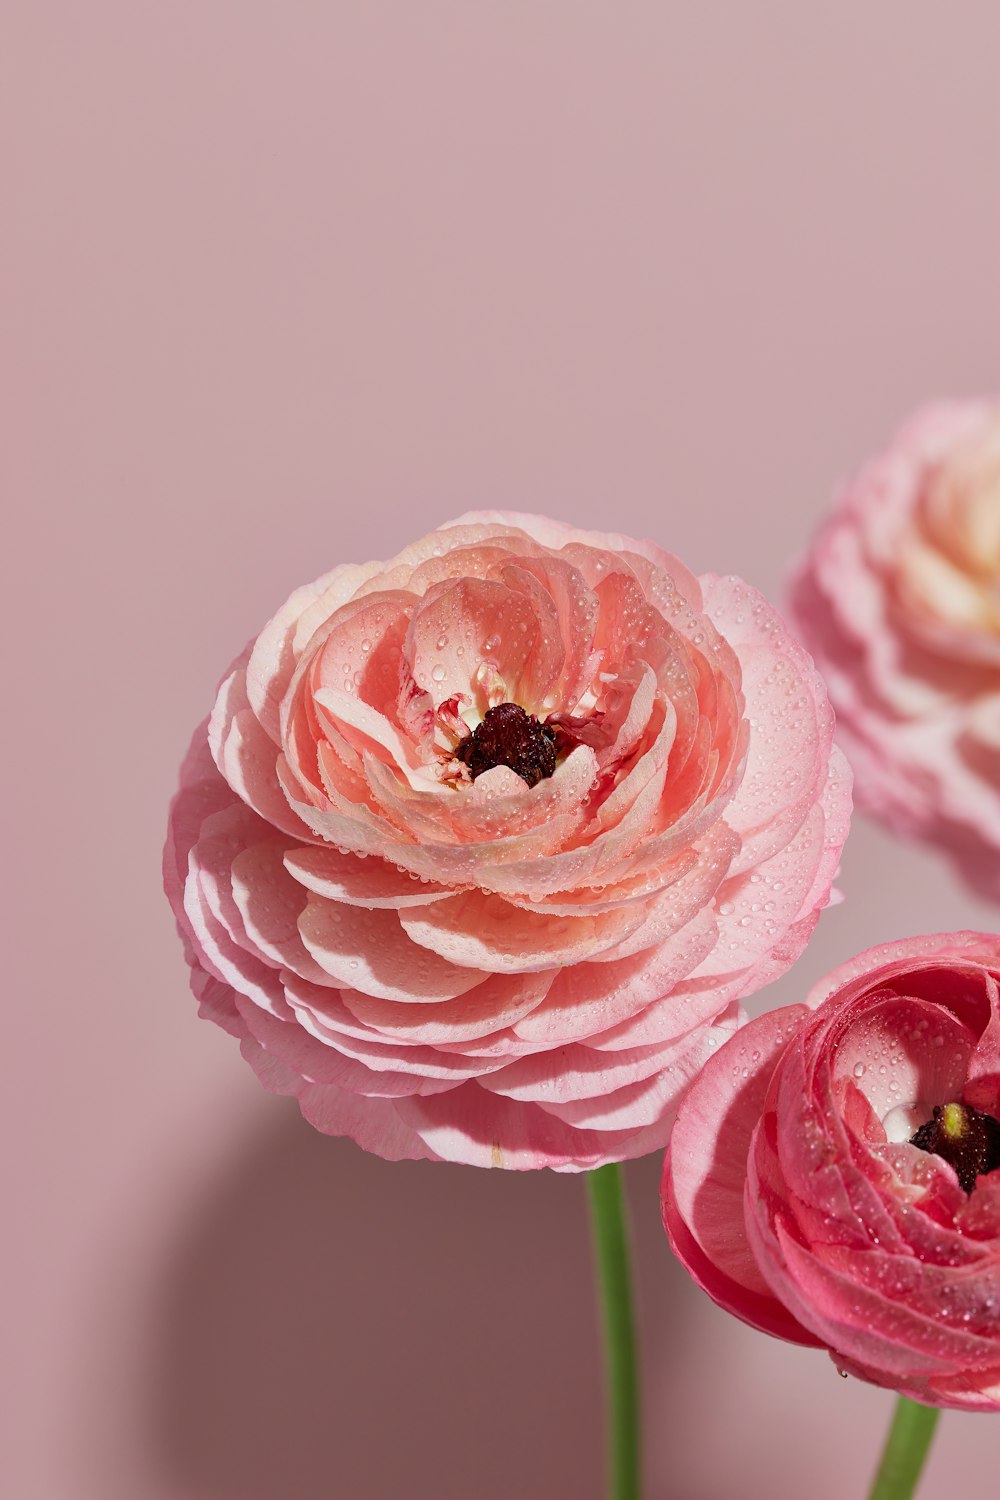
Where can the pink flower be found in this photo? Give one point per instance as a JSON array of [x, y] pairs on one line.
[[899, 601], [483, 845], [831, 1178]]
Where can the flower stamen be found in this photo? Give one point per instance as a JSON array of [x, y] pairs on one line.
[[508, 736], [967, 1139]]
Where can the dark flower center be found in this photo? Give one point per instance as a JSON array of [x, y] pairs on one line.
[[965, 1138], [510, 737]]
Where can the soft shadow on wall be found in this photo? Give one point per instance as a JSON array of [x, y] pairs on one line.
[[329, 1326], [336, 1326], [312, 1323]]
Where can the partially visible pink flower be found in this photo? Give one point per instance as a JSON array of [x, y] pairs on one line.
[[899, 602], [482, 846], [832, 1177]]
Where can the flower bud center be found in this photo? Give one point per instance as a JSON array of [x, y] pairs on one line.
[[965, 1138], [510, 737]]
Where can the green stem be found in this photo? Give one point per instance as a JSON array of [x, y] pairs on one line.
[[905, 1450], [610, 1236]]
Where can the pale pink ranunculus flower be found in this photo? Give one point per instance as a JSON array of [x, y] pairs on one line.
[[832, 1176], [481, 846], [899, 602]]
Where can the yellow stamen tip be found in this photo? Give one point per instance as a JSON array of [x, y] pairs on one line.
[[954, 1121]]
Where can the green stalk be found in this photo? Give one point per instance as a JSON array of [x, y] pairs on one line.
[[611, 1249], [905, 1449]]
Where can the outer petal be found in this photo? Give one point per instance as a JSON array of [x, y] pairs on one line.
[[705, 1175], [371, 950]]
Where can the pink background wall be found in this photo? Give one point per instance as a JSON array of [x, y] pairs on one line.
[[291, 283]]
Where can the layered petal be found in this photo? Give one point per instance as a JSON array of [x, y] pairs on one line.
[[481, 846], [833, 1176]]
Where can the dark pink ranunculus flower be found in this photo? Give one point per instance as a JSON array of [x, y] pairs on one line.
[[832, 1177], [481, 847], [899, 602]]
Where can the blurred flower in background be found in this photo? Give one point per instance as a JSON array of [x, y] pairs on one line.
[[899, 602]]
